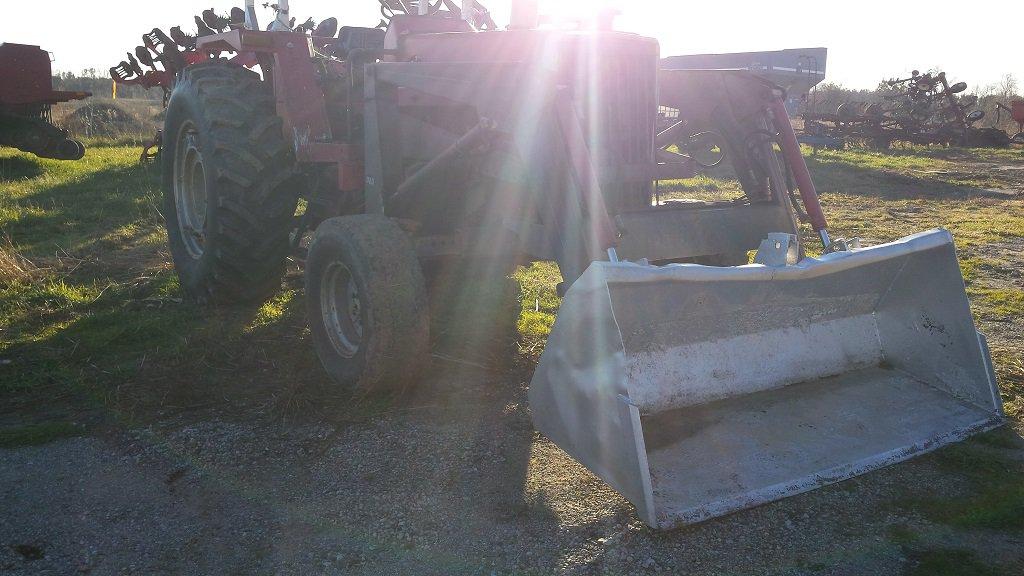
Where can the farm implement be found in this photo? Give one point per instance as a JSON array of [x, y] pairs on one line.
[[921, 109], [26, 99], [1016, 111], [692, 382]]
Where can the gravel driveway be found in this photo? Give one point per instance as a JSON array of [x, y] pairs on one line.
[[452, 480]]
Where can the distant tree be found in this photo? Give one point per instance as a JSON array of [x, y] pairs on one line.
[[90, 81], [827, 98], [1008, 86]]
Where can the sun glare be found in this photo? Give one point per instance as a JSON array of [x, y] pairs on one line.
[[558, 13]]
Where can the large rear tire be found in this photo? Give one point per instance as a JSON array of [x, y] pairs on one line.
[[230, 185], [367, 303]]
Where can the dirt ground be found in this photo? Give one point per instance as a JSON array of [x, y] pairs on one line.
[[200, 443], [454, 481]]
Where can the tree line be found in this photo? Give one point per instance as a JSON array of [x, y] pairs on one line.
[[90, 80], [826, 99]]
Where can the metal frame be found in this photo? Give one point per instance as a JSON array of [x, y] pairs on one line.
[[578, 226], [26, 98]]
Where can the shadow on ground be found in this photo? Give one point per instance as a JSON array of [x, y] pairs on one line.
[[209, 441], [14, 168], [855, 180]]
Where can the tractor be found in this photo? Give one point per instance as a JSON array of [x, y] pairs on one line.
[[692, 381], [26, 99]]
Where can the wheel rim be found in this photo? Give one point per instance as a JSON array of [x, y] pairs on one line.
[[341, 309], [190, 198]]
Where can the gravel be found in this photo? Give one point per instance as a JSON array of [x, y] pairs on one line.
[[452, 481]]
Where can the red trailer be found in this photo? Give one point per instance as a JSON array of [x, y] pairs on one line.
[[26, 98]]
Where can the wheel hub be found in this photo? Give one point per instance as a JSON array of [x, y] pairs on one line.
[[190, 198], [341, 309]]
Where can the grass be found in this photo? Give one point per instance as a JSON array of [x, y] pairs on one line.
[[87, 289], [38, 434], [994, 470], [90, 310], [92, 319], [13, 266], [89, 303], [1003, 302], [540, 304], [951, 562]]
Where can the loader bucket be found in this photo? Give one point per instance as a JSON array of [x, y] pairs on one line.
[[698, 391]]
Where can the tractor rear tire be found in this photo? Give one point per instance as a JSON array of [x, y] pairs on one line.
[[230, 185], [367, 303]]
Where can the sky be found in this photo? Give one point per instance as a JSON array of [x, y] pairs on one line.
[[868, 40]]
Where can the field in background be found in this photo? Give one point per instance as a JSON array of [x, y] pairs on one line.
[[107, 121], [94, 334]]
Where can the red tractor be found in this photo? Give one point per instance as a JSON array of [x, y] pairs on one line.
[[26, 98], [435, 137], [695, 390]]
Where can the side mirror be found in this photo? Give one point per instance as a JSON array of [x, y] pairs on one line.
[[975, 116], [958, 88]]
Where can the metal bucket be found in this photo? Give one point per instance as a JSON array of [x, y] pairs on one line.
[[698, 391]]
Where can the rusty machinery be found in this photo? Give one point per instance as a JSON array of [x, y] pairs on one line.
[[692, 382], [1016, 111], [920, 109], [26, 99]]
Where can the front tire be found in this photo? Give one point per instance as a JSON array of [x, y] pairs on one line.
[[367, 303], [230, 185]]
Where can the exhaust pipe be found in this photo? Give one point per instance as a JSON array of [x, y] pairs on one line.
[[251, 21], [469, 12], [281, 23], [525, 15]]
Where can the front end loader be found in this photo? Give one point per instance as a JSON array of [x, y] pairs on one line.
[[693, 382]]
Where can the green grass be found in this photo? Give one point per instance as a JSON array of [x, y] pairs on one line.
[[98, 320], [37, 434], [902, 535], [540, 303], [951, 562], [994, 471], [103, 308], [1005, 302], [48, 206]]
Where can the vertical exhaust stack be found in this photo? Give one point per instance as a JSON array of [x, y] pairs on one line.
[[698, 391], [252, 22], [525, 15], [282, 22], [469, 13]]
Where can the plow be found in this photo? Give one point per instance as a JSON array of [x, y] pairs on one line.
[[922, 109], [26, 100], [692, 381]]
